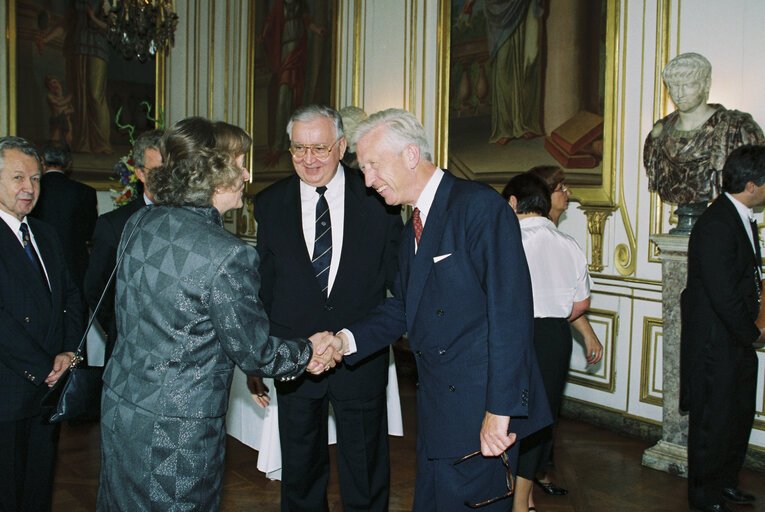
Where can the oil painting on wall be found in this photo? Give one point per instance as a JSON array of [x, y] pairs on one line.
[[292, 66], [70, 83], [527, 87]]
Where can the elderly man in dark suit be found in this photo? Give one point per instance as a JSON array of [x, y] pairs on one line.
[[108, 231], [463, 294], [327, 252], [40, 325], [720, 305], [67, 205]]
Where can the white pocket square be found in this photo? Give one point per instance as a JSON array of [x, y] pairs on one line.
[[436, 259]]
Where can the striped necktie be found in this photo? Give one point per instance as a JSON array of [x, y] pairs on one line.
[[31, 253], [322, 243]]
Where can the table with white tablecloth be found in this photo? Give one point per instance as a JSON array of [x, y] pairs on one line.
[[258, 428]]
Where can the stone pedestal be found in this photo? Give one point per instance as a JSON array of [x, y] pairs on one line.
[[670, 453]]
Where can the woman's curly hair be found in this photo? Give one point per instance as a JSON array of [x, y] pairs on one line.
[[197, 160]]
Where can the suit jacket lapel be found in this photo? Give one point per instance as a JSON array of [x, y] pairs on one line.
[[353, 223], [18, 258], [422, 262]]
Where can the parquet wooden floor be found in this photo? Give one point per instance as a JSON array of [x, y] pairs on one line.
[[600, 468]]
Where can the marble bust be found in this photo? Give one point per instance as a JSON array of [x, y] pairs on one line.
[[686, 150]]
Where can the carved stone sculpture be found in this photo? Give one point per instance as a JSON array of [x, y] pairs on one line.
[[686, 150]]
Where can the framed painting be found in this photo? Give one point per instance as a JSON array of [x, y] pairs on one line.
[[68, 83], [291, 62], [530, 83]]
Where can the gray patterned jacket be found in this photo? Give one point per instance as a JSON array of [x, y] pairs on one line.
[[187, 311]]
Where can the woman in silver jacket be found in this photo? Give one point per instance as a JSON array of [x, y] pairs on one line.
[[187, 311]]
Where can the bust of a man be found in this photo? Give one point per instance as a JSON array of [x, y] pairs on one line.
[[686, 150]]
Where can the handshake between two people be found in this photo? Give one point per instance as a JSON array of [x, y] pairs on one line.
[[328, 350]]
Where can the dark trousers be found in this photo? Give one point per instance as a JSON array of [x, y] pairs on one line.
[[27, 462], [362, 452], [552, 344], [722, 406], [442, 486]]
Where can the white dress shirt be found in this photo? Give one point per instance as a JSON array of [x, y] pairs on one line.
[[558, 268], [428, 194], [15, 225], [335, 196]]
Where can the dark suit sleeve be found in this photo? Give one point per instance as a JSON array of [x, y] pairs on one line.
[[500, 263], [721, 274], [381, 327], [102, 260], [393, 236]]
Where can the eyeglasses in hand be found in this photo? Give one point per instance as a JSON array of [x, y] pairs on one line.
[[509, 480]]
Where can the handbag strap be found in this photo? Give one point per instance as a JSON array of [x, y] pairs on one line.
[[78, 357]]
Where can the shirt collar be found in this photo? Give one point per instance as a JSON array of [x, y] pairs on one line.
[[335, 187], [12, 222], [428, 194], [743, 210]]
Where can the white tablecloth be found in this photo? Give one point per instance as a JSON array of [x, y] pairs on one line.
[[259, 428]]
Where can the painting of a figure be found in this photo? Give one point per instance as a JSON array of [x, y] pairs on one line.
[[292, 67], [71, 82], [527, 87]]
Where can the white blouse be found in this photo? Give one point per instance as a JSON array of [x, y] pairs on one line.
[[558, 268]]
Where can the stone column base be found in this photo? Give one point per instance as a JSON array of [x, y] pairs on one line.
[[668, 457]]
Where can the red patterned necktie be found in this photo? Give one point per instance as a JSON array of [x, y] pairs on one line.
[[417, 224]]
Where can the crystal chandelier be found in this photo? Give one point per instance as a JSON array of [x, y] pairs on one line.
[[142, 27]]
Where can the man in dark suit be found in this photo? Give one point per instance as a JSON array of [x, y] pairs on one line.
[[40, 325], [719, 308], [67, 205], [463, 294], [107, 233], [327, 252]]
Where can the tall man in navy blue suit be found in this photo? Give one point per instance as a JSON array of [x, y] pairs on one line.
[[40, 325], [463, 294], [718, 363]]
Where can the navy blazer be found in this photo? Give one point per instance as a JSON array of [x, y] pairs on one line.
[[35, 324], [293, 300], [720, 302], [469, 317]]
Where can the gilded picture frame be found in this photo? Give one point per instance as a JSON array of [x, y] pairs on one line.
[[467, 148], [51, 76]]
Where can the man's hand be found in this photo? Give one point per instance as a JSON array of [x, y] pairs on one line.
[[60, 364], [494, 436], [327, 352], [258, 390], [594, 349]]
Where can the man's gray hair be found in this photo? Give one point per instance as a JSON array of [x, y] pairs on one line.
[[401, 129], [147, 140], [308, 113], [687, 66], [19, 144]]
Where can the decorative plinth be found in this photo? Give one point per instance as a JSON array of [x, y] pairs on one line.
[[668, 457], [670, 453]]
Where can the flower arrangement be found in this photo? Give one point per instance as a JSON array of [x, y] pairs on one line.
[[124, 169]]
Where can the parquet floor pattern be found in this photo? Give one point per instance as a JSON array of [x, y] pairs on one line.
[[601, 469]]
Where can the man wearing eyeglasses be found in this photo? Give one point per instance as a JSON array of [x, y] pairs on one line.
[[327, 253]]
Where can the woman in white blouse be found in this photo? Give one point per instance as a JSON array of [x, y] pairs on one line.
[[561, 288]]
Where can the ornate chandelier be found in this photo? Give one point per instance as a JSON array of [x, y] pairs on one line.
[[142, 27]]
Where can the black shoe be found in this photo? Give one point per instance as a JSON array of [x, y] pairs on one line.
[[720, 507], [550, 488], [737, 496]]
